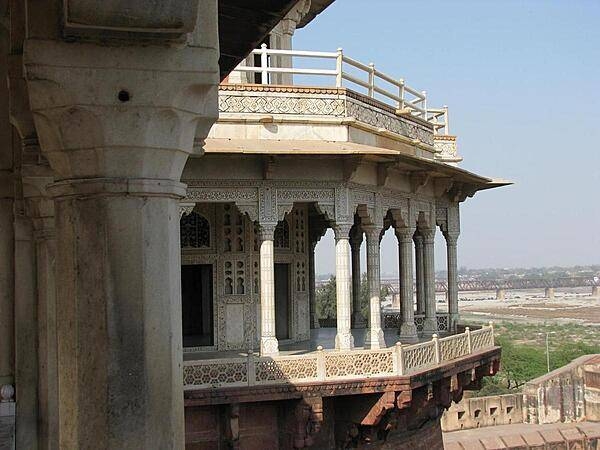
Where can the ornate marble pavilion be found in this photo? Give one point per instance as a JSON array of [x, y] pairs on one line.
[[284, 163]]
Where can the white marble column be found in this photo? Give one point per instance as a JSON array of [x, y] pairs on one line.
[[419, 280], [358, 319], [451, 249], [343, 339], [374, 336], [268, 340], [430, 323], [312, 295], [408, 330], [137, 109]]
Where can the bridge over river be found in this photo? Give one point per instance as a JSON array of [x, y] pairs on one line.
[[502, 285]]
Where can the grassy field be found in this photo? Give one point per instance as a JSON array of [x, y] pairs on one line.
[[524, 352]]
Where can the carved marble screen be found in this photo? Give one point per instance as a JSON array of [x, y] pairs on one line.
[[218, 234]]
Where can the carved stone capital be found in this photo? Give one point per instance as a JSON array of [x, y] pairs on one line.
[[451, 237], [119, 111], [428, 235], [404, 234], [342, 231], [373, 235], [266, 231]]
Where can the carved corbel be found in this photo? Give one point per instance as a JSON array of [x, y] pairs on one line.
[[404, 399], [283, 210], [186, 208], [251, 210], [461, 191], [385, 403], [350, 166], [443, 186], [443, 395], [401, 218], [383, 172], [418, 180], [327, 210]]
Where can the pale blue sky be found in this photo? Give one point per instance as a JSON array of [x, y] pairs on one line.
[[522, 80]]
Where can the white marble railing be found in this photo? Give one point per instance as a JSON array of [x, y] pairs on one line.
[[349, 72], [392, 320], [334, 365]]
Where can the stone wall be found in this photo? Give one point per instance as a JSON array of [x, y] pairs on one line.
[[479, 412], [568, 394], [558, 396]]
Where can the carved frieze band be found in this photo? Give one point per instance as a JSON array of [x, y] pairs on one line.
[[322, 104], [268, 201]]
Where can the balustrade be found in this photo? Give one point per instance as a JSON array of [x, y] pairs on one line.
[[334, 365], [360, 76]]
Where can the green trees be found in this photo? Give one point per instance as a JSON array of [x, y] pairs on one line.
[[524, 352], [326, 302]]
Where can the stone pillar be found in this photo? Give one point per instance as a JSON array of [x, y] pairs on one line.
[[358, 320], [42, 212], [595, 291], [451, 258], [408, 329], [430, 323], [7, 245], [343, 339], [281, 38], [374, 336], [500, 294], [549, 292], [268, 339], [312, 295], [26, 335], [420, 280], [117, 123], [7, 235]]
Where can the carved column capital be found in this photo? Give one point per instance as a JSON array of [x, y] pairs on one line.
[[405, 234], [342, 231], [373, 234], [428, 235], [266, 231], [164, 97], [451, 237]]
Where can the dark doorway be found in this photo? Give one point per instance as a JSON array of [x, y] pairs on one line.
[[282, 301], [197, 305]]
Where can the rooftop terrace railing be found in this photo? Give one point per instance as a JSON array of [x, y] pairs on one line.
[[376, 84], [333, 365]]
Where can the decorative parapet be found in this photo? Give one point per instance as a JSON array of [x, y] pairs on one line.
[[295, 102], [446, 149], [393, 320], [334, 365]]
